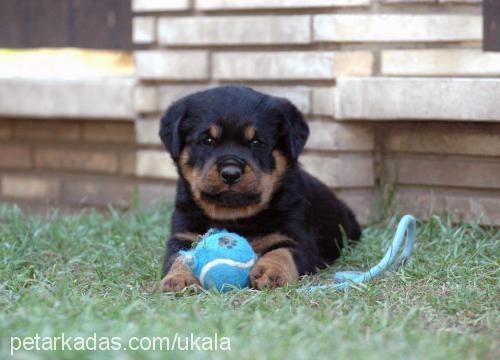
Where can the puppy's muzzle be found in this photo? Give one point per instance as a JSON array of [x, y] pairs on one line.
[[231, 169]]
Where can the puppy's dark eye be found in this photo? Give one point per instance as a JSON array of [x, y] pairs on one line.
[[255, 142], [208, 141]]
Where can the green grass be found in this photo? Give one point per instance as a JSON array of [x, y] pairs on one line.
[[95, 273]]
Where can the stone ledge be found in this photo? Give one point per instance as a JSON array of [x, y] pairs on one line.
[[417, 99], [98, 98]]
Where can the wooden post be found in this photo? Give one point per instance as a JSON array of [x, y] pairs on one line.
[[491, 25]]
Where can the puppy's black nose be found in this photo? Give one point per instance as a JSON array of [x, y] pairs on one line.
[[230, 169], [230, 174]]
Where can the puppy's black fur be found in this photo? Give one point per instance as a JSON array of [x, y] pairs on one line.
[[262, 136]]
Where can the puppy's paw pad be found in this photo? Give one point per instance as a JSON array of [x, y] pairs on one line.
[[177, 282], [263, 276]]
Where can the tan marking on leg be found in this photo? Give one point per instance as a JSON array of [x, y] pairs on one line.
[[275, 269], [178, 278], [261, 243], [188, 236]]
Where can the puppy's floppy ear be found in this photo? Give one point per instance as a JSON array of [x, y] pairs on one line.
[[293, 127], [170, 128]]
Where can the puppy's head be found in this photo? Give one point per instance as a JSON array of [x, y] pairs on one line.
[[233, 146]]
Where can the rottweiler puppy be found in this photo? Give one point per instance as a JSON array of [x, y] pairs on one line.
[[236, 151]]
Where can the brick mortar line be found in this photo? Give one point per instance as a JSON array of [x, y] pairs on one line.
[[352, 190], [330, 119], [210, 66], [32, 166], [397, 185], [327, 46], [87, 146], [159, 82], [48, 207], [440, 190], [464, 124], [424, 76], [310, 116], [47, 170], [450, 190], [311, 29], [334, 154], [61, 175], [377, 63], [60, 199], [379, 170], [462, 128], [31, 201], [149, 115], [315, 83], [445, 157], [330, 153], [382, 9], [264, 82], [355, 190], [149, 146]]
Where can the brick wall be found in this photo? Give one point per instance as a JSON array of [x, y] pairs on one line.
[[446, 167], [368, 74], [398, 95], [66, 163]]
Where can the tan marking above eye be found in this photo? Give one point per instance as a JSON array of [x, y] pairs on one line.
[[215, 131], [250, 132]]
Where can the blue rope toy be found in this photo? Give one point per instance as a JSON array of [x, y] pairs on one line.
[[223, 260], [346, 279]]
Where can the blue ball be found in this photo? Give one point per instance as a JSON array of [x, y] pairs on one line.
[[221, 260]]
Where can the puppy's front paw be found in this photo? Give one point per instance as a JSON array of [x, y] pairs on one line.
[[176, 281], [267, 275], [275, 269]]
